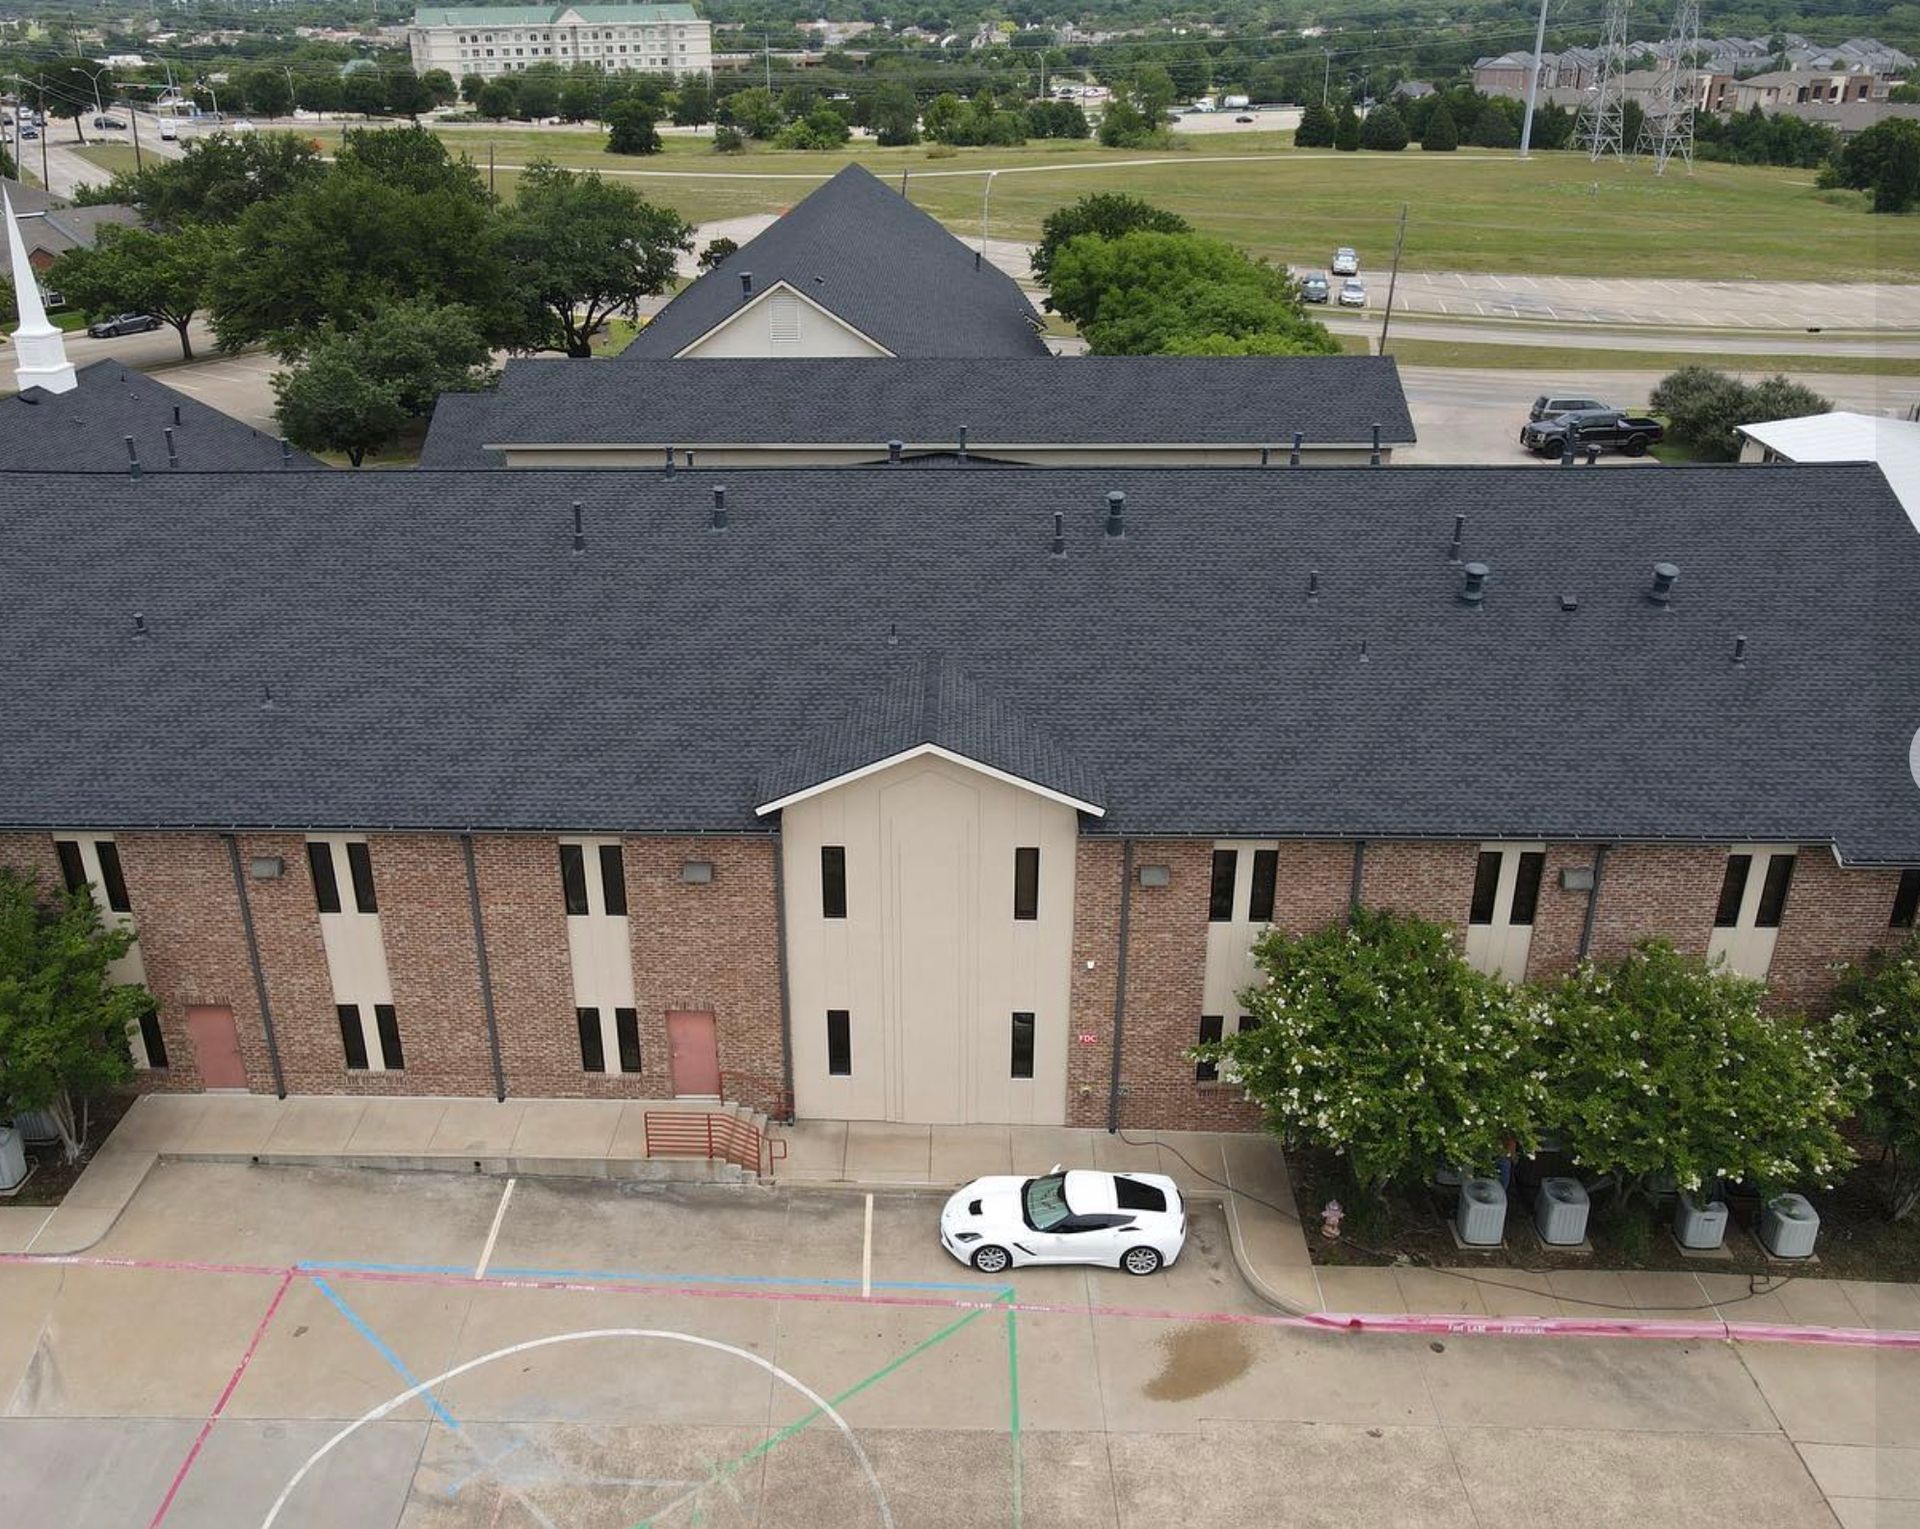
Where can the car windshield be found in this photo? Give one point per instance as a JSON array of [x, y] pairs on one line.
[[1045, 1201]]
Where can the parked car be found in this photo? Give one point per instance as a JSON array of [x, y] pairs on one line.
[[122, 323], [1131, 1221], [1597, 429], [1547, 405], [1353, 293], [29, 132], [1314, 289], [1345, 262], [110, 124], [1243, 120]]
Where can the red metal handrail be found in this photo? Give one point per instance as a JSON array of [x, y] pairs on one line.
[[717, 1137], [757, 1088]]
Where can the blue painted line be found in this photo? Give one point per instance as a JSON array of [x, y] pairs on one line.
[[380, 1347], [641, 1276]]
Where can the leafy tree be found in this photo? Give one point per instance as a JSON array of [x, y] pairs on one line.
[[693, 103], [942, 116], [407, 95], [1124, 126], [364, 91], [1663, 1066], [1493, 129], [64, 88], [134, 270], [539, 97], [1441, 136], [1316, 128], [1380, 1044], [1704, 408], [579, 99], [319, 93], [354, 390], [217, 179], [1105, 214], [1056, 119], [1153, 92], [753, 111], [821, 128], [728, 140], [496, 101], [895, 115], [470, 87], [410, 159], [441, 87], [580, 249], [716, 251], [267, 92], [1879, 1009], [630, 128], [1144, 292], [1884, 160], [1346, 128], [1384, 129]]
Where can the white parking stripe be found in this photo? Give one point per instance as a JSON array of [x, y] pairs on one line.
[[493, 1232], [866, 1255]]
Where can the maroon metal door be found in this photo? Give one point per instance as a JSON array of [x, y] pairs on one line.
[[694, 1053], [216, 1046]]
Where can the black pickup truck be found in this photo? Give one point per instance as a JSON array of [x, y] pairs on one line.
[[1591, 429]]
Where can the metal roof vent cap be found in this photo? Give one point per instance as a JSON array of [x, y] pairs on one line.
[[1116, 514], [719, 520], [579, 530], [1059, 548], [1664, 575], [894, 448], [746, 285], [1473, 584]]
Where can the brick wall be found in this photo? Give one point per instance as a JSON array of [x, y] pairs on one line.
[[1096, 939], [526, 925], [1560, 915], [286, 927], [1433, 880], [1663, 890], [1316, 880], [1832, 915], [420, 882], [34, 853]]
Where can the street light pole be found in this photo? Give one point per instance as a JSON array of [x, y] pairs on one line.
[[1326, 75], [985, 196], [1533, 80], [1393, 280]]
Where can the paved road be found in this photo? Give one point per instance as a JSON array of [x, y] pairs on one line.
[[1572, 336], [210, 1373]]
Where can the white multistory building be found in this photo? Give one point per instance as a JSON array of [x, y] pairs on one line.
[[495, 40]]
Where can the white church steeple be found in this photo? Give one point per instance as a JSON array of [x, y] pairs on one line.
[[40, 352]]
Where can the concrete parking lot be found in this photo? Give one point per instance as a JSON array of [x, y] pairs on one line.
[[257, 1346]]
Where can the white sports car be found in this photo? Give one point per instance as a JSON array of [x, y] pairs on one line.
[[1131, 1221]]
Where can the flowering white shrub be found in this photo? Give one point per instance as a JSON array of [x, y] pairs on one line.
[[1879, 1007]]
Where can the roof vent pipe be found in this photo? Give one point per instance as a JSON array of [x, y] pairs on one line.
[[1663, 576], [1059, 534], [1740, 649], [1459, 531], [1473, 587], [1313, 583], [669, 472], [746, 285], [1116, 514], [579, 531], [1263, 456], [286, 453], [173, 457], [963, 443], [689, 459], [1374, 460], [133, 458], [176, 414], [894, 448], [719, 520], [1293, 457], [139, 625]]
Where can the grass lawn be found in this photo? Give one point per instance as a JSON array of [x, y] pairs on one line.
[[1554, 214], [113, 158]]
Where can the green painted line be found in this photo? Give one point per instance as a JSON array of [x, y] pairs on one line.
[[1013, 1401], [852, 1391]]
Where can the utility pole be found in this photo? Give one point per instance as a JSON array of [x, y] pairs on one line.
[[133, 121], [766, 48], [1393, 280], [1533, 80], [985, 196], [1326, 75]]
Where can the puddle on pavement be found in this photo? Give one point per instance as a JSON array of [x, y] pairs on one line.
[[1198, 1359]]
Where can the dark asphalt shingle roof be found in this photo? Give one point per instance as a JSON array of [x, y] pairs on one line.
[[85, 429], [461, 426], [54, 225], [869, 256], [438, 658], [1025, 400]]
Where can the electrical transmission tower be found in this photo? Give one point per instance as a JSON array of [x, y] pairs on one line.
[[1666, 131], [1601, 126]]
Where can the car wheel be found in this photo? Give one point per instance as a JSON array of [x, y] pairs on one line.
[[1636, 445], [1141, 1261], [991, 1259]]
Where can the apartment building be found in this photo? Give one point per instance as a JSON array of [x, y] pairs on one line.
[[496, 40]]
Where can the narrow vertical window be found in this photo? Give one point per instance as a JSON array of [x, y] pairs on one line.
[[1026, 883], [392, 1058], [573, 879], [1022, 1045], [360, 868], [1526, 887], [1249, 1023], [1906, 900], [593, 1053], [1486, 885], [73, 869], [112, 882], [1733, 889], [839, 1043], [152, 1039], [1773, 892], [353, 1039], [1266, 877], [326, 891], [1212, 1026], [833, 881], [1226, 865], [613, 880], [626, 1027]]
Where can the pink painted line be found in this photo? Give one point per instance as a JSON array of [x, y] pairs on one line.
[[220, 1406], [1660, 1329]]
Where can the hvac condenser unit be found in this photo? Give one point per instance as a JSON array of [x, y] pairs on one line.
[[1790, 1227], [1482, 1218], [1698, 1224], [13, 1158], [1560, 1214]]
